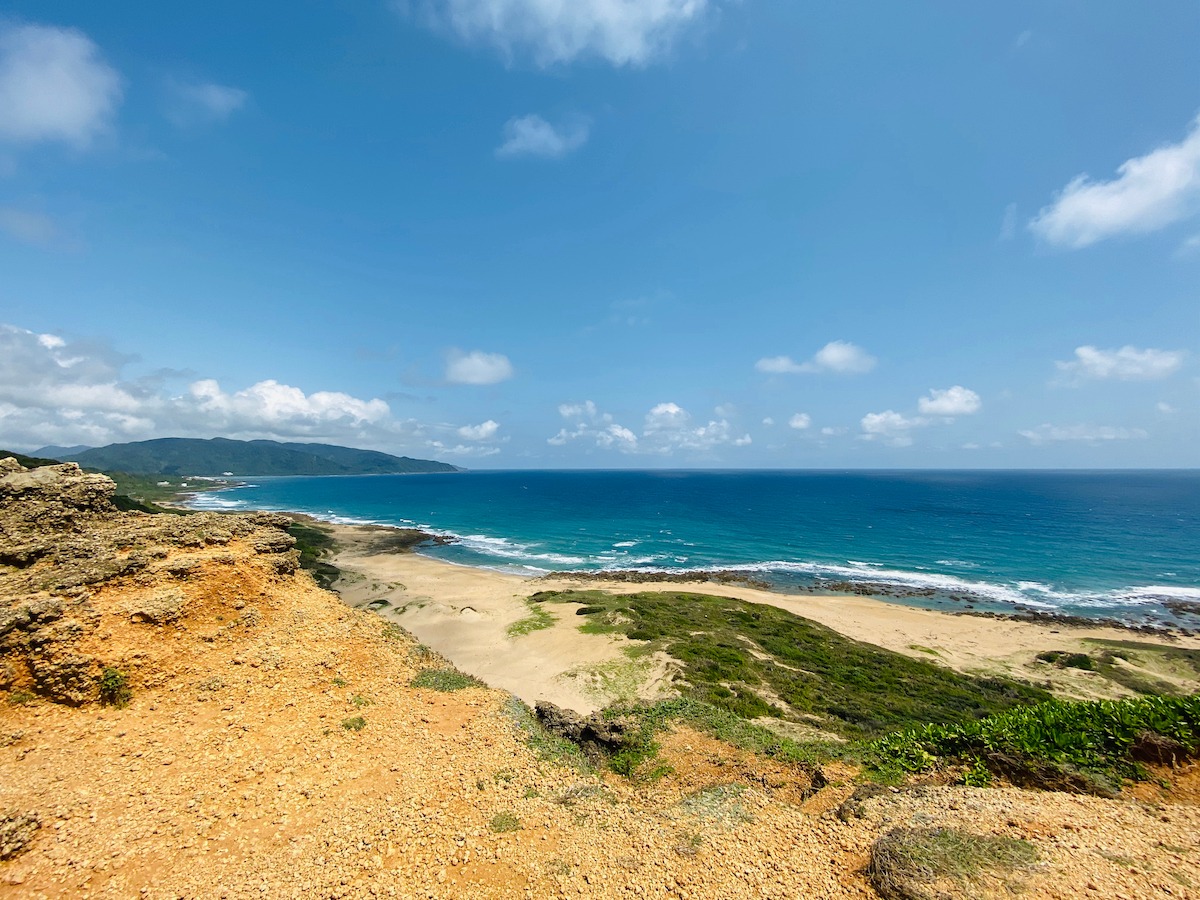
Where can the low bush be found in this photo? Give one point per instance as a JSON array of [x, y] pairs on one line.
[[1101, 738], [114, 688]]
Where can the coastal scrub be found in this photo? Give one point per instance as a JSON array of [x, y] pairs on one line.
[[760, 661]]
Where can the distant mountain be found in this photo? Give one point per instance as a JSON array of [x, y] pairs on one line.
[[221, 456], [52, 451]]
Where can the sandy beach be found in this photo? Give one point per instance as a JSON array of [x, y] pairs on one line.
[[468, 614]]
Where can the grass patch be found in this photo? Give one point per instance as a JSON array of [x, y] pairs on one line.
[[356, 723], [339, 682], [505, 821], [537, 619], [444, 680], [20, 698], [114, 688], [360, 701], [909, 862], [856, 689], [921, 648], [719, 803], [1098, 740]]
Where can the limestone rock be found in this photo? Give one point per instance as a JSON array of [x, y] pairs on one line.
[[16, 831]]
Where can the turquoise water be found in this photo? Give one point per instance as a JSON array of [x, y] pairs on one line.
[[1121, 544]]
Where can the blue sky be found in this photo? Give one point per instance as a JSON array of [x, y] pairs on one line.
[[608, 233]]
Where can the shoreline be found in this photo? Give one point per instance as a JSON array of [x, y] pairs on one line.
[[472, 615]]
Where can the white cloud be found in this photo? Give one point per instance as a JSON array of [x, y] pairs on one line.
[[54, 390], [833, 431], [890, 426], [533, 136], [668, 428], [477, 367], [27, 226], [574, 410], [201, 103], [1093, 434], [953, 401], [622, 32], [484, 431], [768, 421], [1149, 193], [1165, 408], [800, 421], [840, 357], [270, 404], [1124, 364], [54, 86]]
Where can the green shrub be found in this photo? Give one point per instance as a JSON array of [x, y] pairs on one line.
[[357, 723], [1092, 737], [114, 688]]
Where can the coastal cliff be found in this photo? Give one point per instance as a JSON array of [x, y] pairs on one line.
[[184, 713]]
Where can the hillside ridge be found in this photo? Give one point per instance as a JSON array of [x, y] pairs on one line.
[[225, 456]]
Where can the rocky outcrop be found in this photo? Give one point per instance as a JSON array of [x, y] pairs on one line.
[[63, 542], [594, 732], [16, 831]]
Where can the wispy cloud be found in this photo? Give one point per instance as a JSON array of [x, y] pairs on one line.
[[620, 32], [800, 421], [27, 226], [477, 367], [837, 357], [54, 86], [1124, 364], [201, 103], [1149, 193], [1092, 434], [533, 136]]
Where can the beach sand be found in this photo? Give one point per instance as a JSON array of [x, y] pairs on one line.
[[466, 615]]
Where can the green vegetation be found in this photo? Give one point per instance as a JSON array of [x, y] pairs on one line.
[[189, 456], [114, 688], [20, 698], [537, 619], [907, 863], [29, 462], [356, 723], [756, 660], [1065, 660], [444, 680], [360, 701], [314, 544], [546, 744], [1179, 661], [505, 821], [1096, 741]]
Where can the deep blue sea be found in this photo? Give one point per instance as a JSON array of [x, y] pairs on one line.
[[1123, 544]]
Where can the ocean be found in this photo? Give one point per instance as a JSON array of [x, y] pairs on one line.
[[1124, 544]]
